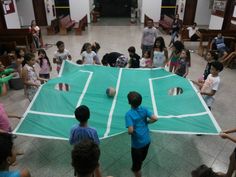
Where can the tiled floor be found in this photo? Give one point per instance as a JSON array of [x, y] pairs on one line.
[[169, 156]]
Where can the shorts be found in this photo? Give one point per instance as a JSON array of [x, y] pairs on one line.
[[208, 99], [194, 37], [138, 156]]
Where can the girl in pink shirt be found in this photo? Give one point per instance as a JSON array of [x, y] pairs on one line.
[[45, 64]]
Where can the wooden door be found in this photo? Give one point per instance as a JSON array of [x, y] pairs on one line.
[[228, 14], [40, 12], [190, 11], [3, 25]]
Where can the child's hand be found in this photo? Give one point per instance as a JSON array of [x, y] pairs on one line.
[[223, 135]]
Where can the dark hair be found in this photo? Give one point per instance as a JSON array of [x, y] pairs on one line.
[[195, 23], [27, 57], [179, 46], [79, 62], [105, 59], [46, 57], [6, 144], [59, 43], [84, 47], [85, 156], [217, 65], [135, 99], [131, 49], [17, 52], [203, 171], [214, 55], [188, 56], [95, 47], [32, 22], [82, 113], [148, 52], [162, 43]]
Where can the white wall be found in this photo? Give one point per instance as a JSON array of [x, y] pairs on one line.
[[25, 11], [12, 20], [216, 22], [78, 9], [49, 14], [203, 13], [151, 8]]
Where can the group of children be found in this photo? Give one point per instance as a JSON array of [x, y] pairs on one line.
[[85, 138]]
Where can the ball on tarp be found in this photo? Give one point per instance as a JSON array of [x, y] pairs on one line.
[[110, 92]]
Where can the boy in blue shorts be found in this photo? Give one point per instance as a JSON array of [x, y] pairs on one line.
[[137, 124], [82, 131]]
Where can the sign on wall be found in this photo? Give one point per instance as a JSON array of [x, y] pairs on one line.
[[8, 6]]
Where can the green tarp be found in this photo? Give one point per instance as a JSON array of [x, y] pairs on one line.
[[50, 114]]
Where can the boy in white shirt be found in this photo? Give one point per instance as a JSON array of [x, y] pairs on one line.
[[60, 55], [211, 84], [193, 32]]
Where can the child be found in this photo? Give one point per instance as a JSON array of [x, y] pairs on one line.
[[160, 53], [8, 158], [35, 31], [184, 62], [232, 163], [176, 50], [29, 76], [89, 56], [134, 58], [82, 131], [137, 124], [85, 158], [146, 61], [45, 65], [220, 45], [210, 57], [5, 126], [175, 28], [17, 64], [211, 84], [60, 55], [204, 171]]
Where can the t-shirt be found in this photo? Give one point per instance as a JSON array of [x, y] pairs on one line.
[[111, 58], [79, 133], [158, 59], [10, 174], [137, 118], [60, 56], [149, 36], [45, 68], [4, 121], [219, 43], [134, 61], [88, 57], [211, 83], [182, 65], [191, 31]]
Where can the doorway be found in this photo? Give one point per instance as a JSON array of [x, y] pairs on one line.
[[115, 8], [168, 8], [62, 8]]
